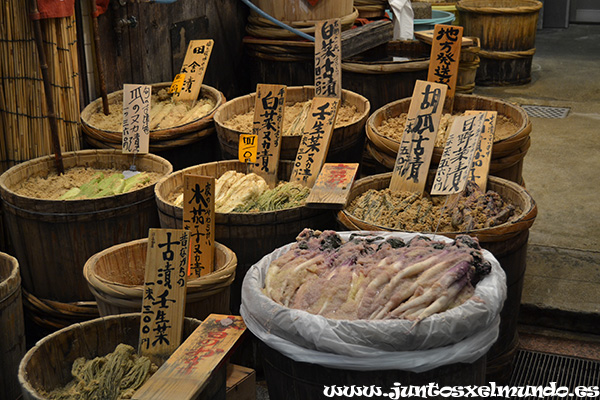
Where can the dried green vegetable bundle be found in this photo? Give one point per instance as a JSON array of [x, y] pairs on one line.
[[285, 195]]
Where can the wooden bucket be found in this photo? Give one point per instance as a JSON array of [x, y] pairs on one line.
[[53, 239], [47, 365], [467, 67], [116, 278], [507, 154], [507, 242], [507, 30], [371, 8], [12, 331], [249, 235], [182, 145], [346, 141]]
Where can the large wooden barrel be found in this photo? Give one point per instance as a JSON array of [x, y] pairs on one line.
[[47, 365], [506, 29], [182, 145], [116, 278], [249, 235], [53, 239], [507, 154], [346, 140], [12, 332], [507, 242]]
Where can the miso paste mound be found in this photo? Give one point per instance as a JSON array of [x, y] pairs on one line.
[[112, 377]]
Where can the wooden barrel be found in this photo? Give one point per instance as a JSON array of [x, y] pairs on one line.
[[507, 30], [294, 380], [12, 331], [507, 154], [47, 365], [182, 145], [467, 67], [53, 239], [116, 278], [507, 242], [346, 141], [249, 235]]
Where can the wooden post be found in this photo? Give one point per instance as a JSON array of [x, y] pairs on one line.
[[98, 65]]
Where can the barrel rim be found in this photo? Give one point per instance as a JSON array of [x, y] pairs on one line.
[[522, 7], [10, 283]]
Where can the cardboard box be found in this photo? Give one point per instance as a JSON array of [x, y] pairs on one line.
[[241, 383]]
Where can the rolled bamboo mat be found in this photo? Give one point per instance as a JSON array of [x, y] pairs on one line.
[[24, 125]]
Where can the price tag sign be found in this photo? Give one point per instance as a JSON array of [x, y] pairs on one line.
[[328, 58], [199, 219], [483, 155], [457, 158], [314, 144], [248, 146], [333, 185], [177, 83], [136, 118], [165, 285], [269, 107], [194, 68], [445, 55], [418, 139]]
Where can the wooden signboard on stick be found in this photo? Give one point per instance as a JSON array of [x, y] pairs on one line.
[[194, 68], [314, 144], [136, 118], [445, 55], [269, 108], [186, 373], [328, 58], [418, 139], [332, 188], [483, 156], [165, 285], [455, 165], [199, 219], [427, 37]]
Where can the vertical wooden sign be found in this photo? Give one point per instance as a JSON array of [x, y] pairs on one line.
[[194, 68], [199, 219], [483, 156], [418, 139], [332, 187], [163, 304], [314, 144], [269, 107], [328, 58], [136, 118], [247, 148], [457, 158], [445, 55]]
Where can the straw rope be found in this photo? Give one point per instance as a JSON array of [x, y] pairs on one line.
[[24, 124], [522, 7], [506, 55]]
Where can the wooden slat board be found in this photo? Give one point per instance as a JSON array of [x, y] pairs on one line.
[[418, 139], [445, 55], [136, 118], [483, 155], [199, 219], [269, 108], [332, 188], [186, 373], [194, 68], [314, 144], [328, 58], [165, 285], [457, 158]]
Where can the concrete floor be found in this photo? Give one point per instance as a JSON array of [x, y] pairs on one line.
[[562, 279]]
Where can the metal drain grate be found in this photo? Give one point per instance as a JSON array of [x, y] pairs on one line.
[[545, 111], [539, 369]]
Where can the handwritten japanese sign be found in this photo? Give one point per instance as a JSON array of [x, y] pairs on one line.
[[177, 83], [328, 58], [457, 158], [418, 139], [269, 107], [483, 155], [199, 219], [314, 144], [136, 118], [247, 148], [165, 283], [333, 185], [186, 373], [445, 55], [194, 68]]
